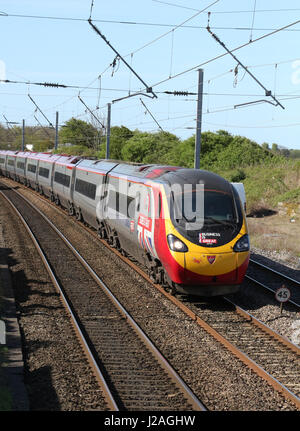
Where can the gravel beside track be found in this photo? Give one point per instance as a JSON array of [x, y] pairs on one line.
[[136, 379], [220, 380], [280, 260], [263, 305], [57, 376], [262, 348]]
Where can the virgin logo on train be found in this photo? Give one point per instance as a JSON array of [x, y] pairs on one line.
[[211, 259]]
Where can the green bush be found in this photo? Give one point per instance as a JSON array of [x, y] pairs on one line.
[[238, 176]]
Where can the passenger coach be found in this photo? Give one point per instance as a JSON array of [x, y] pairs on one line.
[[186, 226]]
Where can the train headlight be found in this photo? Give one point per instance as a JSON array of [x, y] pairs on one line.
[[242, 244], [176, 244]]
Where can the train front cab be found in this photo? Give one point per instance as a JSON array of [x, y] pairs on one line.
[[208, 262], [206, 271]]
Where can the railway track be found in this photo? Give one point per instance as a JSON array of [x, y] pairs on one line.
[[132, 373], [234, 328], [269, 354], [270, 279]]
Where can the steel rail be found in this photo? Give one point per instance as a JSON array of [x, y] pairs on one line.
[[96, 371], [280, 274], [259, 283], [293, 280], [237, 352], [250, 318], [233, 349], [181, 385]]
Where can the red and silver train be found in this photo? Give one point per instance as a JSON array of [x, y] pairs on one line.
[[187, 226]]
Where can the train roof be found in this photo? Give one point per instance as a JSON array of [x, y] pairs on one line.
[[66, 160], [197, 176], [143, 171], [10, 153], [102, 166], [23, 153]]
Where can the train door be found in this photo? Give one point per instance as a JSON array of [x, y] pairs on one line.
[[73, 176]]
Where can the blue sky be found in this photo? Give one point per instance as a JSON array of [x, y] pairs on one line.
[[165, 42]]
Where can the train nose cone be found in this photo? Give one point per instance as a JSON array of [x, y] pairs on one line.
[[212, 265]]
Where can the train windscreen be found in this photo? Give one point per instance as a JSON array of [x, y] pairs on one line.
[[215, 213]]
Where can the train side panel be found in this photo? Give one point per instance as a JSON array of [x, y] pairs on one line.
[[61, 180], [21, 161], [11, 164], [31, 170], [122, 200], [44, 174], [130, 212], [88, 188], [2, 162]]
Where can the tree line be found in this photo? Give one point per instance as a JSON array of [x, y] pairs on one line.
[[277, 149], [219, 150]]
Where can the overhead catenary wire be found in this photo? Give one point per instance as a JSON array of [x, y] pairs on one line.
[[39, 109], [91, 9], [149, 112], [91, 112], [231, 11], [56, 85], [253, 17], [172, 52], [157, 24], [43, 128], [148, 89], [157, 91], [190, 69], [8, 124], [174, 28], [267, 92]]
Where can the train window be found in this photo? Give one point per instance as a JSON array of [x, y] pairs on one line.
[[11, 162], [219, 206], [138, 201], [121, 203], [159, 205], [85, 188], [112, 200], [188, 207], [31, 168], [44, 172], [62, 179], [145, 201], [2, 161], [20, 165]]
